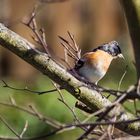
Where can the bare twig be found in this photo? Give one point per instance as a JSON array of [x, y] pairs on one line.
[[44, 119], [66, 55], [73, 126], [27, 89], [103, 136], [65, 103], [73, 49], [70, 53], [24, 129], [101, 117], [138, 86], [120, 82], [131, 92], [12, 100], [8, 138], [39, 35], [35, 112], [9, 127]]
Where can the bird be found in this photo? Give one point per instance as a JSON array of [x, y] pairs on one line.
[[93, 65]]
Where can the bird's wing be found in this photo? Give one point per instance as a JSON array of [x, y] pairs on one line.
[[79, 63]]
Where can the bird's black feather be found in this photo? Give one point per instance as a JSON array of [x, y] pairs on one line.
[[79, 64], [112, 48]]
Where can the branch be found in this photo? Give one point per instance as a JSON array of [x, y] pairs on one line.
[[47, 66], [131, 9], [101, 117], [10, 127], [27, 89], [131, 92], [38, 115], [61, 99]]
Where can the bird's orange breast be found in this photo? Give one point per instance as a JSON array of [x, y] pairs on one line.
[[99, 59]]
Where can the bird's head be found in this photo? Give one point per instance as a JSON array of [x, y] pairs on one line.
[[112, 48]]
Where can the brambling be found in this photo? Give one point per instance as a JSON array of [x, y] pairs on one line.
[[94, 65]]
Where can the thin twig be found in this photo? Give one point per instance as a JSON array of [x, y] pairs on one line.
[[75, 46], [65, 103], [35, 111], [66, 55], [27, 89], [131, 92], [103, 109], [120, 82], [103, 136], [24, 129], [73, 49], [39, 35], [9, 127], [73, 126], [44, 119], [101, 117], [70, 53]]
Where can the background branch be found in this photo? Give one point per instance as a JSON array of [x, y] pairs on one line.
[[131, 9], [47, 66], [38, 115]]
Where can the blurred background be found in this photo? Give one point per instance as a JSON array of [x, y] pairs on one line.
[[92, 22]]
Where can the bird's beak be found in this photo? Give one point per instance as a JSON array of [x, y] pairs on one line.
[[121, 56]]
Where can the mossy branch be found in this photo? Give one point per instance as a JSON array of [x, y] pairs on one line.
[[46, 65]]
